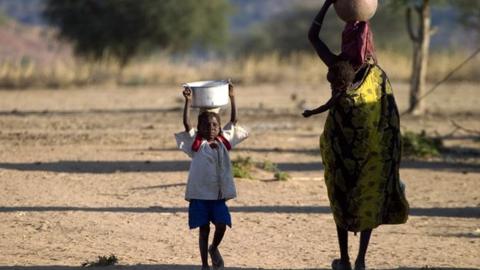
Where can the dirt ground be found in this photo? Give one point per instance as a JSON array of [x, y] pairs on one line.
[[93, 172]]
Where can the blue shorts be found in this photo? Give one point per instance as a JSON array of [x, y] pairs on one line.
[[202, 212]]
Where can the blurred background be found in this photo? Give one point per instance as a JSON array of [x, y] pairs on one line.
[[90, 97], [58, 44]]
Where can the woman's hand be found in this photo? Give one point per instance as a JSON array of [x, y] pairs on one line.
[[187, 92], [231, 92]]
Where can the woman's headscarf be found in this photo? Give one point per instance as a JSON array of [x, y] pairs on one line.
[[357, 43]]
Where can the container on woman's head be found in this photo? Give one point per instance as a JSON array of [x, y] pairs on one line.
[[355, 10], [209, 94]]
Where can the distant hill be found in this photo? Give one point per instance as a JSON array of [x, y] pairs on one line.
[[249, 12], [30, 43], [25, 11], [26, 34], [245, 12]]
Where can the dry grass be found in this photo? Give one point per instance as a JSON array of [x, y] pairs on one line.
[[272, 68], [18, 74], [441, 64]]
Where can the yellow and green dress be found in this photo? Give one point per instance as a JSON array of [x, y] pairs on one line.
[[361, 148]]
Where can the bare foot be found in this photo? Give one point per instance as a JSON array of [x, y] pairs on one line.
[[359, 265], [338, 264], [217, 260]]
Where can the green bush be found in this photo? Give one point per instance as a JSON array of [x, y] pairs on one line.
[[102, 261], [242, 167], [269, 166], [420, 145], [281, 176]]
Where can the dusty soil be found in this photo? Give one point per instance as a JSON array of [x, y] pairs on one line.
[[93, 172]]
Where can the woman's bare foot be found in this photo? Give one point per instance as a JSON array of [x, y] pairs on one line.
[[338, 264], [359, 265]]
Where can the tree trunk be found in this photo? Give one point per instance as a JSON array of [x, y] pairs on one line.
[[421, 44]]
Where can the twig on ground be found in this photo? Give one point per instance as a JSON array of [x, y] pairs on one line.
[[468, 130]]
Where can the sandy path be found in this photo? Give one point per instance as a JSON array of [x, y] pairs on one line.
[[92, 172]]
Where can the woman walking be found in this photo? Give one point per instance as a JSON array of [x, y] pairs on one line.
[[360, 144]]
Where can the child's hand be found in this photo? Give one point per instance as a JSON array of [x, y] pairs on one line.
[[231, 92], [307, 113], [187, 92]]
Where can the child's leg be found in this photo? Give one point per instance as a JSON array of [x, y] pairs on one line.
[[218, 236], [217, 260], [362, 250], [203, 243], [221, 218]]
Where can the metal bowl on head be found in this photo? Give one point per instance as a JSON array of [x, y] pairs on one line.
[[209, 94], [355, 10]]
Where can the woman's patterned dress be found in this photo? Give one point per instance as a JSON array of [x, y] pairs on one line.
[[361, 150]]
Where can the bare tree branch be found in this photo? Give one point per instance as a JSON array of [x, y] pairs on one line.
[[468, 130], [414, 37]]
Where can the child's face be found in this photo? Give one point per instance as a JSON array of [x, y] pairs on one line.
[[335, 82], [209, 128]]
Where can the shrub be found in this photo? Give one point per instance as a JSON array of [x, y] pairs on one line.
[[102, 261], [281, 176], [420, 145], [242, 167], [269, 166]]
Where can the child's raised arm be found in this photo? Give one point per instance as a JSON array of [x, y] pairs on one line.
[[233, 111], [187, 93], [324, 107], [320, 47]]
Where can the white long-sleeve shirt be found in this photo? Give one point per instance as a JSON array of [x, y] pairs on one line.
[[210, 176]]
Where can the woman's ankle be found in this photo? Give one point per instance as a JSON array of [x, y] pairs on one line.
[[360, 262]]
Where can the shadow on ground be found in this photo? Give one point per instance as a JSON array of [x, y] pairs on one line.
[[459, 212], [195, 267], [71, 166], [82, 112]]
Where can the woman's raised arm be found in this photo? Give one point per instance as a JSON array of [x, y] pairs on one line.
[[313, 35]]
